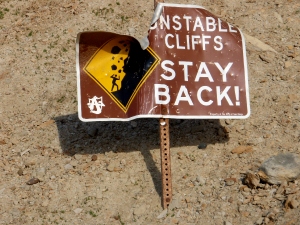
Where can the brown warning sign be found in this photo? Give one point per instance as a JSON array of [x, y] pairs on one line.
[[193, 67]]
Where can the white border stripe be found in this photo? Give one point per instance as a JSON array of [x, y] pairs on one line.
[[78, 78]]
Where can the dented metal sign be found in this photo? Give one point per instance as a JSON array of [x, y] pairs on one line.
[[192, 64]]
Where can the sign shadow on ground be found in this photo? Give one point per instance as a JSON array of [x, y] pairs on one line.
[[77, 137]]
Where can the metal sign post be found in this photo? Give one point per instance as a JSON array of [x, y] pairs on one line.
[[165, 162], [165, 155]]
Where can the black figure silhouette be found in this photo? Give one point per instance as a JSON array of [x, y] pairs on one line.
[[115, 78]]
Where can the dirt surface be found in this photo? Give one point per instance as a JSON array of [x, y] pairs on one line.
[[109, 172]]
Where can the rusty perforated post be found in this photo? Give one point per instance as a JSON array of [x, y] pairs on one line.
[[165, 154], [165, 162]]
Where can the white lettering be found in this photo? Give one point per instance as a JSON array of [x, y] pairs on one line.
[[220, 26], [200, 98], [175, 20], [206, 74], [224, 71], [166, 40], [195, 41], [231, 29], [186, 96], [198, 23], [168, 69], [177, 43], [164, 22], [185, 65], [222, 95], [164, 93], [204, 42], [210, 24], [188, 42], [218, 40], [187, 19]]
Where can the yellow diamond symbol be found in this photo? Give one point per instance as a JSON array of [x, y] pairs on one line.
[[120, 67]]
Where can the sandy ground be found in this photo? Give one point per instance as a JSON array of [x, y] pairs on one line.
[[109, 172]]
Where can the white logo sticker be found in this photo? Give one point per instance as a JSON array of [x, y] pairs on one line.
[[95, 105]]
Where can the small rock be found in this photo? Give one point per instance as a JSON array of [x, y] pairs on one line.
[[247, 200], [123, 162], [77, 156], [40, 172], [110, 167], [115, 216], [94, 157], [133, 124], [283, 167], [246, 194], [180, 155], [74, 163], [291, 202], [259, 221], [78, 210], [271, 216], [242, 208], [175, 221], [297, 58], [246, 189], [113, 167], [267, 56], [226, 130], [187, 200], [279, 197], [229, 122], [30, 162], [256, 198], [33, 181], [242, 149], [267, 186], [259, 44], [92, 131], [291, 189], [201, 180], [294, 204], [20, 172], [266, 220], [45, 203], [202, 146], [68, 167], [230, 200], [251, 180], [287, 64], [163, 214], [276, 211], [230, 181]]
